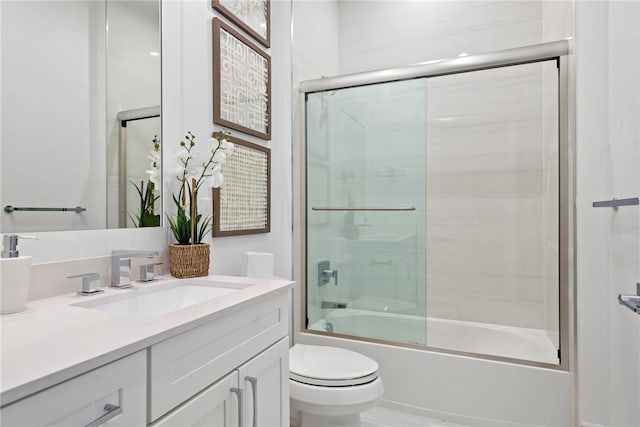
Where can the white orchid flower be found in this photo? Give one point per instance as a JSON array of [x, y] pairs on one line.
[[216, 178], [220, 157], [229, 148], [155, 158], [154, 176]]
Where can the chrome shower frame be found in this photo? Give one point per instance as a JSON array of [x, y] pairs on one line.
[[559, 51]]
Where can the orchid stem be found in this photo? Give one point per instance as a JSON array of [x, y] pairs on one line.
[[193, 209]]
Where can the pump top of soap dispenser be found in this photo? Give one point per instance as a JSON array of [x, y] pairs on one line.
[[10, 245]]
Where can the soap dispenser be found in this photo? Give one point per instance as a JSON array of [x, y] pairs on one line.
[[15, 273]]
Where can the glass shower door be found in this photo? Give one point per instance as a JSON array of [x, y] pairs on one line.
[[366, 186]]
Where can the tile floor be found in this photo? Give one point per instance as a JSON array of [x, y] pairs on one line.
[[385, 417]]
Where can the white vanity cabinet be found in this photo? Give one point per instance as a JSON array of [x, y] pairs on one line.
[[112, 395], [255, 394], [231, 372], [218, 363]]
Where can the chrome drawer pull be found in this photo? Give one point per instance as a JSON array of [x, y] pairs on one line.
[[238, 392], [254, 390], [112, 412]]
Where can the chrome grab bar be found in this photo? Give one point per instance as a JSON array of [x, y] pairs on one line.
[[366, 209], [254, 390], [112, 412], [615, 203], [77, 209]]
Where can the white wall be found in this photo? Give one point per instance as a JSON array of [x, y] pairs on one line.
[[188, 105], [46, 57], [608, 242]]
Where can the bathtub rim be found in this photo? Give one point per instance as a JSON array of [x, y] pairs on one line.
[[426, 348]]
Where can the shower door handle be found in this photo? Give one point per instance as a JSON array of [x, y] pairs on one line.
[[363, 209]]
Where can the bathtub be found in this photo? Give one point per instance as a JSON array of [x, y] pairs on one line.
[[455, 387], [469, 337]]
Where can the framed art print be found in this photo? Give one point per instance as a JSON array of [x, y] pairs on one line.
[[241, 83], [242, 205], [252, 16]]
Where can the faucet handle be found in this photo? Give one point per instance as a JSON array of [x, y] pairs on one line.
[[90, 283], [147, 272]]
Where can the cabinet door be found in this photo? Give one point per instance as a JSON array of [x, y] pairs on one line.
[[216, 406], [112, 395], [184, 365], [265, 380]]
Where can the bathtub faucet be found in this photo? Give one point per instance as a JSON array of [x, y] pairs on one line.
[[332, 304]]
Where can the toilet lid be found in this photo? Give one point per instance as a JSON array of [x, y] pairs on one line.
[[330, 366]]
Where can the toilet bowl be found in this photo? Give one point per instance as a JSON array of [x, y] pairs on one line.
[[331, 386]]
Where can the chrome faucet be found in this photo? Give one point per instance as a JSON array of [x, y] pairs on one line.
[[121, 266]]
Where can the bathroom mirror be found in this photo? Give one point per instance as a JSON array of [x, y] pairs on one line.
[[81, 91]]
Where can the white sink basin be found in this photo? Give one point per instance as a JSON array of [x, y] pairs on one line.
[[162, 301]]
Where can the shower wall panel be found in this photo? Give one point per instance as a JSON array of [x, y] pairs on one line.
[[420, 31], [383, 34], [486, 199]]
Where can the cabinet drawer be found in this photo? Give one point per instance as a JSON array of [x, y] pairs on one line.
[[184, 365], [84, 399]]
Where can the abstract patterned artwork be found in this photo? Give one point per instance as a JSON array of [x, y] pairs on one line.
[[242, 83], [250, 15], [242, 204]]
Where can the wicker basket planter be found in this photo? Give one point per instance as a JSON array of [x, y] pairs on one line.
[[189, 260]]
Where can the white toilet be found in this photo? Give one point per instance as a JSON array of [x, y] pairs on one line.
[[331, 386]]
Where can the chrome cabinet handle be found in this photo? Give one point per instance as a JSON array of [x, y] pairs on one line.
[[238, 392], [254, 391], [112, 412]]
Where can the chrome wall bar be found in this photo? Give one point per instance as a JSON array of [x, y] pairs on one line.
[[483, 61], [615, 203], [405, 208], [632, 302], [77, 209]]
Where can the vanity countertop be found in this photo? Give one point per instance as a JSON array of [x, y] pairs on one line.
[[54, 340]]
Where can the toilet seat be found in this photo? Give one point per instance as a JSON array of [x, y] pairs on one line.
[[330, 366]]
